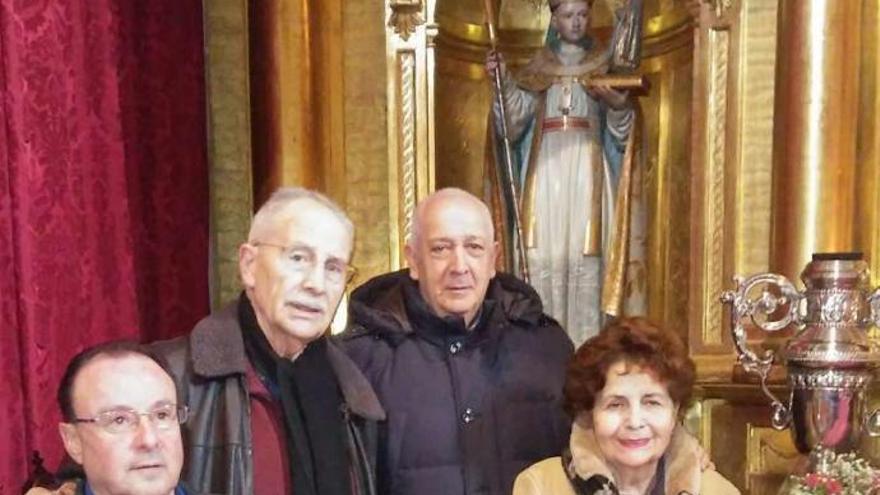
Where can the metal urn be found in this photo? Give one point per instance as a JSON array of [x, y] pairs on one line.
[[830, 360]]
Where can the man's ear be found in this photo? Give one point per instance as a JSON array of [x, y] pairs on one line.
[[410, 254], [247, 257], [72, 442]]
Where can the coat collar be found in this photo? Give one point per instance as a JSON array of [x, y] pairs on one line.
[[381, 303], [682, 459], [358, 392], [218, 350], [217, 346]]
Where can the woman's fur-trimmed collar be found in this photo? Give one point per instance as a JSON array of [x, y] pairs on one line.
[[682, 459]]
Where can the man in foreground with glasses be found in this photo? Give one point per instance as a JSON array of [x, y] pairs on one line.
[[467, 365], [276, 407], [121, 421]]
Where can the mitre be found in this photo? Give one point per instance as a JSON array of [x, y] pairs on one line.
[[557, 3]]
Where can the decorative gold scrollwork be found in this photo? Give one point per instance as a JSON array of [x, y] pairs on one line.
[[406, 16]]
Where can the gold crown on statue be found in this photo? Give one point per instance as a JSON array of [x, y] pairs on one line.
[[557, 3]]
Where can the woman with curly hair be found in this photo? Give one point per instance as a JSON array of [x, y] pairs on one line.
[[626, 389]]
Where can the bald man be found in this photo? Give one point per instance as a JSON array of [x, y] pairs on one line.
[[466, 364]]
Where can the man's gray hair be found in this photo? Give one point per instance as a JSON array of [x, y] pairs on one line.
[[282, 199]]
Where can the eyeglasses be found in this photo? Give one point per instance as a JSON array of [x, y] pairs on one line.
[[125, 420], [302, 259]]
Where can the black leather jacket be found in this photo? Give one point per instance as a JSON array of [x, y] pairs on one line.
[[209, 366]]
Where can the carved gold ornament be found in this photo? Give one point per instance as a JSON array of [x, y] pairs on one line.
[[406, 16]]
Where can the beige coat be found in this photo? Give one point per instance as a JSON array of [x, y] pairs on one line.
[[68, 488], [683, 475]]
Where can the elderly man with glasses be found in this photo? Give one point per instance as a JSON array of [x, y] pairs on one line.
[[275, 406], [121, 422]]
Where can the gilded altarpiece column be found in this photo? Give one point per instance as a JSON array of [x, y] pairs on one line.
[[816, 131], [409, 62]]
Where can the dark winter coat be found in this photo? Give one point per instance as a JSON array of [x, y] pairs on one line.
[[467, 409]]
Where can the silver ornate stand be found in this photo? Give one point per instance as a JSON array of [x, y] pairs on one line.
[[830, 360]]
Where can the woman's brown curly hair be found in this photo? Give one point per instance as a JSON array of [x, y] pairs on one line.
[[636, 342]]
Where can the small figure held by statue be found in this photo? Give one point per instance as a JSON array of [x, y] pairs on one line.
[[572, 132]]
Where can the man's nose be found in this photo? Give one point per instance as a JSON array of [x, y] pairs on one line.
[[315, 278], [459, 260], [146, 434]]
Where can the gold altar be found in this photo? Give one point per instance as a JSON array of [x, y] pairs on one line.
[[762, 144]]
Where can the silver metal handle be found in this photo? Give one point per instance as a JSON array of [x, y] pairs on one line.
[[780, 418], [758, 309], [874, 306], [872, 423]]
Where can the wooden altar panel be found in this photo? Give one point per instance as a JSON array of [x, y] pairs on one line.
[[733, 425]]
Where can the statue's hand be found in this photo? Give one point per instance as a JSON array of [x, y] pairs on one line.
[[617, 100], [495, 59]]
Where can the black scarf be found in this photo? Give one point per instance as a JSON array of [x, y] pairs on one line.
[[312, 405]]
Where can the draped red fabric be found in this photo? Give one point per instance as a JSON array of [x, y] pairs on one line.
[[103, 194]]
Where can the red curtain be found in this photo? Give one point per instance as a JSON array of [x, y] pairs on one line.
[[103, 194]]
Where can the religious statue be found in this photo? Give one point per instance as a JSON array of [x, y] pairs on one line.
[[570, 139]]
